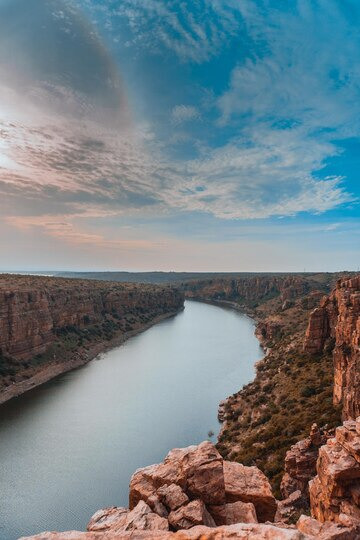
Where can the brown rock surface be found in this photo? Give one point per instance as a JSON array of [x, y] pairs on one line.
[[334, 492], [108, 519], [337, 323], [189, 515], [240, 531], [327, 530], [197, 470], [249, 484], [240, 512], [300, 463], [33, 308], [172, 496]]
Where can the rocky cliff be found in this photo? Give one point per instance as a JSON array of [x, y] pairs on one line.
[[196, 495], [49, 320], [335, 324], [292, 389], [256, 290]]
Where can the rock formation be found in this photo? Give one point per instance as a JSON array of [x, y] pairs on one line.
[[251, 291], [300, 463], [196, 495], [335, 491], [336, 323], [33, 309], [51, 325]]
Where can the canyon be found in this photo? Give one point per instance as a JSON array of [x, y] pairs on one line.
[[51, 325], [267, 473]]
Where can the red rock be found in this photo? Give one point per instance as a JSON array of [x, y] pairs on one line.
[[334, 492], [338, 319], [327, 530], [240, 531], [249, 484], [198, 470], [142, 518], [172, 496], [112, 518], [240, 512], [33, 308], [193, 513], [289, 509], [300, 464]]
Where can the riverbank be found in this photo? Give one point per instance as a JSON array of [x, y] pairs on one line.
[[291, 389], [79, 359]]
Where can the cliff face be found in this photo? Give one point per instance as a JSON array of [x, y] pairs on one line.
[[336, 323], [34, 310], [251, 291], [51, 325]]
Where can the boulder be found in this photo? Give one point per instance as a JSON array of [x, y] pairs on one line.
[[198, 470], [142, 518], [290, 509], [335, 491], [249, 484], [240, 512], [172, 496], [241, 531], [193, 513], [327, 530], [112, 518], [300, 464]]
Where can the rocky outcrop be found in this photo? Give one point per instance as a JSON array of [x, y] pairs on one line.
[[335, 491], [249, 484], [325, 531], [33, 310], [240, 531], [171, 500], [336, 324], [300, 463]]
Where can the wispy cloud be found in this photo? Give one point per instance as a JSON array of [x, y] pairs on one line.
[[184, 113]]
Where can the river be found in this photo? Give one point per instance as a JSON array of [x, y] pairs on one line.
[[70, 446]]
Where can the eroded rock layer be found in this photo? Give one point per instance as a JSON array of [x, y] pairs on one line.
[[52, 325], [33, 309], [336, 324]]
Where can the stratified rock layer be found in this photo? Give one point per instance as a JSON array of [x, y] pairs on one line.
[[336, 323], [34, 309]]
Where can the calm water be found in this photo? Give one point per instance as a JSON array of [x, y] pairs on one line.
[[69, 447]]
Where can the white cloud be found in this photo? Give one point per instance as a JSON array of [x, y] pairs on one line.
[[184, 113]]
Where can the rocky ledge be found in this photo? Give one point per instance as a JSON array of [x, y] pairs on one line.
[[195, 494]]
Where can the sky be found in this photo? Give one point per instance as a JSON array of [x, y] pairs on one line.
[[198, 135]]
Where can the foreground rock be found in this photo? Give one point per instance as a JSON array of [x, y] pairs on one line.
[[241, 531], [199, 472], [249, 484], [335, 491], [327, 530], [186, 496]]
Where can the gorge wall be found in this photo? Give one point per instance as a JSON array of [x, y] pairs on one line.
[[335, 324], [46, 320], [292, 388]]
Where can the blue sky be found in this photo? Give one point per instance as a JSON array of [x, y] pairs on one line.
[[180, 135]]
